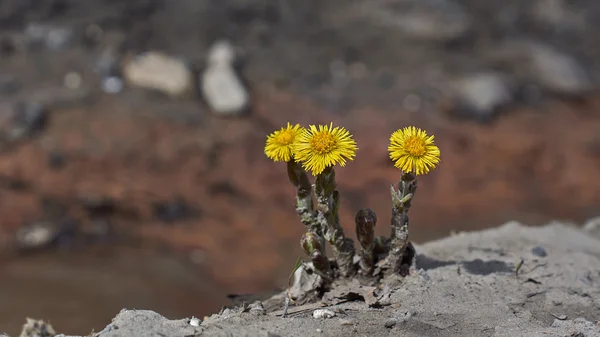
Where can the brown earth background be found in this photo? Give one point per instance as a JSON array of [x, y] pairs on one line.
[[154, 202]]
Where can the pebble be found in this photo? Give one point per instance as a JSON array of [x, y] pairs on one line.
[[161, 72], [195, 321], [539, 251], [35, 235], [347, 322], [53, 38], [112, 85], [390, 323], [72, 80], [221, 86], [323, 313]]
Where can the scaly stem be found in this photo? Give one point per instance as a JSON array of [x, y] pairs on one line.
[[327, 215], [304, 201], [401, 201]]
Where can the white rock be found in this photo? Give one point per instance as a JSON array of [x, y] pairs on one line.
[[221, 87], [557, 71], [154, 70], [434, 20], [592, 226], [323, 313], [483, 93], [195, 321]]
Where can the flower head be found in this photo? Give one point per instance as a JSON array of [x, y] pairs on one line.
[[412, 150], [325, 146], [279, 146]]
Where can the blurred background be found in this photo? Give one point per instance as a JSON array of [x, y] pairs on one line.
[[123, 186]]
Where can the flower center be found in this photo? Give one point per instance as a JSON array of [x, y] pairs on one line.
[[415, 146], [285, 138], [322, 143]]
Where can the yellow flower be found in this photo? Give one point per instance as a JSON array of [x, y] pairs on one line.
[[325, 146], [412, 150], [279, 146]]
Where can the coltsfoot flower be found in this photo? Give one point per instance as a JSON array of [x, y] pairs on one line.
[[325, 146], [412, 150], [279, 145]]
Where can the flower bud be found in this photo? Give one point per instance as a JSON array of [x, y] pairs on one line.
[[310, 243], [365, 220]]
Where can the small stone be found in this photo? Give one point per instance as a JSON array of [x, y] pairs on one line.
[[424, 275], [53, 38], [539, 251], [257, 306], [390, 323], [58, 38], [323, 313], [195, 321], [221, 87], [72, 80], [112, 85], [347, 322], [158, 71]]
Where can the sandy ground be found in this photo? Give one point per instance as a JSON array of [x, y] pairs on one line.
[[463, 285]]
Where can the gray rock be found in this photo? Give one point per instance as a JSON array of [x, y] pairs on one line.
[[158, 71], [592, 226], [112, 84], [557, 14], [539, 251], [221, 86], [482, 95], [323, 313], [21, 120], [557, 71], [53, 38], [390, 323], [543, 65], [432, 20]]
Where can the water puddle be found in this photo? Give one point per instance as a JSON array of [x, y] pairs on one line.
[[80, 291]]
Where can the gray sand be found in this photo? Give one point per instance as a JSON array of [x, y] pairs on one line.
[[463, 285]]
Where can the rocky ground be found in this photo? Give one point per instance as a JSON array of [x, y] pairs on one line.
[[509, 281], [93, 152]]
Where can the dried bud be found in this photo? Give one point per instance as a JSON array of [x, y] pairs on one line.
[[310, 243], [365, 220]]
